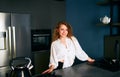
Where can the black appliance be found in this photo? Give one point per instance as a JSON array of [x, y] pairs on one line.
[[40, 39]]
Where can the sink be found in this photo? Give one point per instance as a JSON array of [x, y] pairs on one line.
[[107, 64]]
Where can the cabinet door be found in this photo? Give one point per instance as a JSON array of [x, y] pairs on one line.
[[111, 50], [41, 61]]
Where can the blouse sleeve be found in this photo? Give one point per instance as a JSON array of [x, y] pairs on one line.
[[79, 52], [53, 57]]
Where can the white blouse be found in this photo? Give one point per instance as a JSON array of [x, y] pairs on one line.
[[67, 53]]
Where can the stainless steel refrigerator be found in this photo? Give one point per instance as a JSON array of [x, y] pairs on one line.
[[15, 38]]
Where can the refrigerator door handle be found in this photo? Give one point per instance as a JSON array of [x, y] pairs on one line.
[[9, 38], [14, 42]]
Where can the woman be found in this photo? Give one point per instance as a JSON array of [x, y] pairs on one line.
[[65, 48]]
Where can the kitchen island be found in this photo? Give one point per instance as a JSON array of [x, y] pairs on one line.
[[86, 70]]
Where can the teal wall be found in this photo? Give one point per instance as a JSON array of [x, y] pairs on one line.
[[83, 15]]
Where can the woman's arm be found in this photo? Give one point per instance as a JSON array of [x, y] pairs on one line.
[[80, 53]]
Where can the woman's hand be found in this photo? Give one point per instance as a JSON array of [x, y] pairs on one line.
[[48, 70], [91, 60]]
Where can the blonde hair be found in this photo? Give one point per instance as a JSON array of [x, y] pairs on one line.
[[56, 32]]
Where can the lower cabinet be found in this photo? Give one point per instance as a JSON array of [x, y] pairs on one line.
[[112, 47], [40, 61]]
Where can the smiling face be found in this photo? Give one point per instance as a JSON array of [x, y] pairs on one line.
[[63, 31]]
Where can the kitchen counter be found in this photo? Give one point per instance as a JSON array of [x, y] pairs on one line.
[[86, 70], [99, 68]]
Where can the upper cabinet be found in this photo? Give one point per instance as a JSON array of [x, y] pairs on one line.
[[108, 2], [114, 6]]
